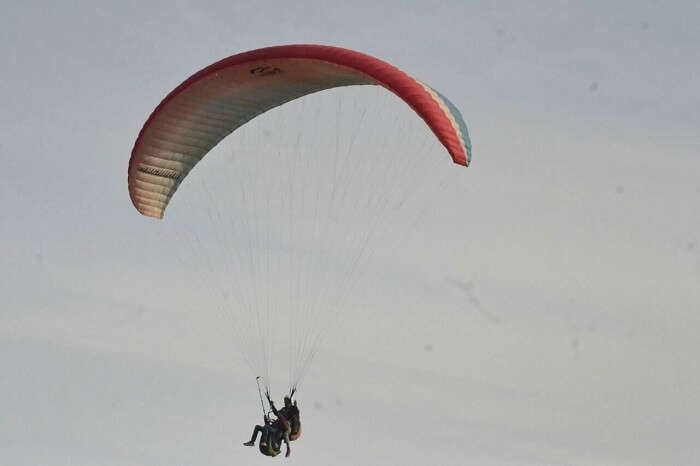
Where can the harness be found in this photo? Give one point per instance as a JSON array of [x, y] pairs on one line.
[[271, 449]]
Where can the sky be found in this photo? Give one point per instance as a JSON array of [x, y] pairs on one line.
[[546, 315]]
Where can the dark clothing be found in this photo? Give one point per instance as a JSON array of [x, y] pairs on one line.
[[285, 428], [291, 414], [270, 441], [273, 433]]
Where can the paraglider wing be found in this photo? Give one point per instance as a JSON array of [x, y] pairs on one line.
[[217, 100]]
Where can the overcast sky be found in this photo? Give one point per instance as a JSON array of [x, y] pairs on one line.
[[547, 316]]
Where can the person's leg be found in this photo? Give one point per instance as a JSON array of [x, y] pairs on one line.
[[274, 440], [266, 430], [257, 430], [282, 432]]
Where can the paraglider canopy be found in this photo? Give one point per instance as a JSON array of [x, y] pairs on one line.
[[217, 100], [301, 209]]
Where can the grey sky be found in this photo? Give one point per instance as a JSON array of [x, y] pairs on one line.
[[554, 321]]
